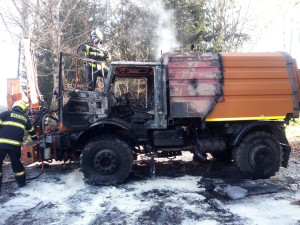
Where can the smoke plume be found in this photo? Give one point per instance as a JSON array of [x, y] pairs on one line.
[[165, 34], [164, 39]]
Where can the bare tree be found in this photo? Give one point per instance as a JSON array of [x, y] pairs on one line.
[[227, 25], [44, 22], [130, 30]]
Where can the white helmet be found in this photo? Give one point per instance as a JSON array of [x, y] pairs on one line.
[[96, 36]]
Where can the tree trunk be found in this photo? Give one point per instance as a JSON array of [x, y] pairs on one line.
[[55, 35]]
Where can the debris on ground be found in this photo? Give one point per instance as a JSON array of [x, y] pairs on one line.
[[295, 202], [237, 189]]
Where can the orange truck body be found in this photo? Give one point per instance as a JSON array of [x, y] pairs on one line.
[[233, 86]]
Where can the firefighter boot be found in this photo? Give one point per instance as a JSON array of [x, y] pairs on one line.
[[20, 178]]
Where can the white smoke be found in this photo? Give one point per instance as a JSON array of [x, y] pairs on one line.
[[165, 40], [165, 31]]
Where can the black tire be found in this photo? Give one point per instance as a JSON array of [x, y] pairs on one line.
[[106, 160], [258, 155]]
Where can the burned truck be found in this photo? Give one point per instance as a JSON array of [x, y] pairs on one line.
[[234, 106]]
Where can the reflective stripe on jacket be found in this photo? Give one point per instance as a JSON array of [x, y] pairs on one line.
[[94, 53]]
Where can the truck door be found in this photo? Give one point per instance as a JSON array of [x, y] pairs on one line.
[[160, 98], [78, 107]]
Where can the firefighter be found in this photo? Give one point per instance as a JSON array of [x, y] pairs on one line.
[[13, 123], [95, 50]]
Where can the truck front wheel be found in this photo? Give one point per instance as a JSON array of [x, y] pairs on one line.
[[106, 160], [258, 155]]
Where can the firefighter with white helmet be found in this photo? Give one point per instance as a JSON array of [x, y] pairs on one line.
[[94, 50], [96, 36], [13, 124]]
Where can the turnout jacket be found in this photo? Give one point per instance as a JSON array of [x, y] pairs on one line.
[[12, 127], [96, 53]]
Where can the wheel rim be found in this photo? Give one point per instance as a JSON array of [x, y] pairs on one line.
[[261, 156], [106, 161]]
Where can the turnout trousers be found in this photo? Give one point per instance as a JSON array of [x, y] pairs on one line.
[[16, 164], [91, 75]]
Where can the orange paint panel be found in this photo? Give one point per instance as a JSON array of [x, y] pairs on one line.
[[253, 64], [253, 106], [252, 56], [236, 87], [255, 73], [253, 60], [255, 85]]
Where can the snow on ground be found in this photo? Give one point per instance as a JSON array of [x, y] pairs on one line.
[[268, 209], [184, 192], [61, 197]]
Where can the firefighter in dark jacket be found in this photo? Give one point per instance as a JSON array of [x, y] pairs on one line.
[[12, 127], [95, 50]]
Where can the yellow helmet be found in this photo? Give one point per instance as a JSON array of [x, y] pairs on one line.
[[20, 104]]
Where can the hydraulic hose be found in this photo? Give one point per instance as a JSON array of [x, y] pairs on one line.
[[46, 114], [38, 118], [29, 178], [42, 170]]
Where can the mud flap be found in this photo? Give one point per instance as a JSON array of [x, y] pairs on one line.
[[286, 155]]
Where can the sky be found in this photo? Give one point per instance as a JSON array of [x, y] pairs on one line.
[[8, 61], [278, 29]]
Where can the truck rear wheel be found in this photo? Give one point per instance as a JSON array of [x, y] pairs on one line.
[[258, 155], [106, 160]]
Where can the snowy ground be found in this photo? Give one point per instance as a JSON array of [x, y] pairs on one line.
[[184, 192]]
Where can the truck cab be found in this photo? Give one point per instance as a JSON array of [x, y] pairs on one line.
[[134, 93], [185, 102]]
